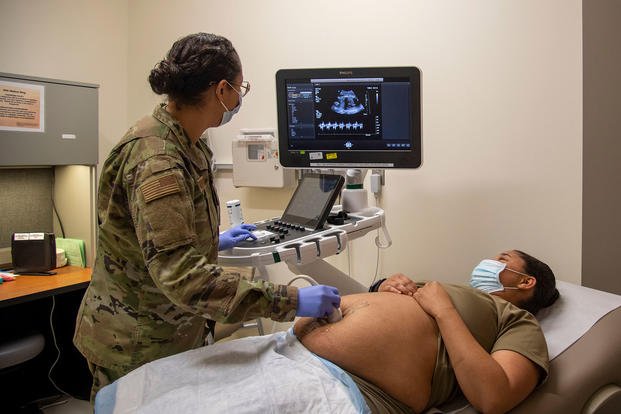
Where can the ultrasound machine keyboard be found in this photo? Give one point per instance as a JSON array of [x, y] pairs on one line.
[[283, 241], [276, 231]]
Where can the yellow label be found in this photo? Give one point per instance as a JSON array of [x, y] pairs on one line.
[[331, 156]]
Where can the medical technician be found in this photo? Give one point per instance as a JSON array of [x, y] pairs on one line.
[[155, 281]]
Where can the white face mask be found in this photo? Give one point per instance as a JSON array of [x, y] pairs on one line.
[[228, 115], [486, 276]]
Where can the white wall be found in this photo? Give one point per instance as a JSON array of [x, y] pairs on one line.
[[502, 115], [502, 105]]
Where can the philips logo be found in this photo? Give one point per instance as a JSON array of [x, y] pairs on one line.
[[346, 72]]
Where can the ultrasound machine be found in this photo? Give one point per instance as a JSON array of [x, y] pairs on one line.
[[331, 121]]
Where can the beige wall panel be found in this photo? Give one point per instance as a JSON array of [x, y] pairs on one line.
[[502, 115], [501, 105], [602, 148]]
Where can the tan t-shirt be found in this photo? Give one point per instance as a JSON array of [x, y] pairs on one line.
[[496, 324]]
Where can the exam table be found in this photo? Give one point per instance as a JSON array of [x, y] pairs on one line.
[[275, 373]]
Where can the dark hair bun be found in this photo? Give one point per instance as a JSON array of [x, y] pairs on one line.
[[162, 77], [192, 65]]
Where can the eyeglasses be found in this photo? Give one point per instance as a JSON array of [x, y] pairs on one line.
[[244, 87]]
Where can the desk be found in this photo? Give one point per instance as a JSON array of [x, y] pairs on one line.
[[26, 306], [27, 288]]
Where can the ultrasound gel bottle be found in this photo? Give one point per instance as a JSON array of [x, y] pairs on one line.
[[233, 208]]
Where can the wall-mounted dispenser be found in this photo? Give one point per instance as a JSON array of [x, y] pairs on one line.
[[255, 160]]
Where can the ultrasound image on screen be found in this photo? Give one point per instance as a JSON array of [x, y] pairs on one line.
[[348, 109], [349, 117]]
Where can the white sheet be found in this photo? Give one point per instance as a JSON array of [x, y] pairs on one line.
[[261, 374], [573, 314]]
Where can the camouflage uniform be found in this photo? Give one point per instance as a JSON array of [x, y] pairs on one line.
[[154, 282]]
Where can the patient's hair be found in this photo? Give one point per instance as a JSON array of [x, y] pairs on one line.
[[545, 293], [192, 65]]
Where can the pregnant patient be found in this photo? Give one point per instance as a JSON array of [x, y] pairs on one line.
[[385, 338], [398, 353]]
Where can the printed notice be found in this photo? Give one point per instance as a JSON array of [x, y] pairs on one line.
[[21, 107]]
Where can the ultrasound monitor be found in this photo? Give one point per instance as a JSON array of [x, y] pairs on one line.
[[349, 117]]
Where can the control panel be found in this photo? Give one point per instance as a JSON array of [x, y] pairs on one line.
[[279, 240], [277, 231]]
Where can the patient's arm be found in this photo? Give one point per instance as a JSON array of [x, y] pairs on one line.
[[491, 383], [385, 338]]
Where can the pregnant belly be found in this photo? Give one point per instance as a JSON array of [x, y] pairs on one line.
[[385, 338]]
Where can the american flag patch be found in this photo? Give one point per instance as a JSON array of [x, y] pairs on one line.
[[163, 186]]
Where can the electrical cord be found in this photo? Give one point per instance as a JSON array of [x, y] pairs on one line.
[[49, 374], [62, 229], [377, 260], [378, 242], [309, 279], [304, 277], [377, 257], [349, 246], [60, 222]]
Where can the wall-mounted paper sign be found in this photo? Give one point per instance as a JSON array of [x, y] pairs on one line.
[[21, 107]]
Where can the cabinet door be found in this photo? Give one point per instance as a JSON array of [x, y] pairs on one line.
[[70, 126]]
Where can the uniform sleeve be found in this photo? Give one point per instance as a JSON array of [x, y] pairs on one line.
[[520, 332], [161, 198]]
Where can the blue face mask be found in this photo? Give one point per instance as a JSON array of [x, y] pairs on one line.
[[228, 115], [486, 276]]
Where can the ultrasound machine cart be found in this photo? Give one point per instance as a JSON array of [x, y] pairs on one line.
[[301, 238], [334, 119]]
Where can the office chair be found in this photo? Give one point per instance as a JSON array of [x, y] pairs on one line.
[[15, 353], [20, 350]]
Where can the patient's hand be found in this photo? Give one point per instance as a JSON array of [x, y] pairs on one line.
[[433, 299], [398, 283]]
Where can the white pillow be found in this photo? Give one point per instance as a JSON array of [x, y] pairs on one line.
[[573, 314]]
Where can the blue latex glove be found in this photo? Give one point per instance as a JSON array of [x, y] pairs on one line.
[[236, 234], [317, 301]]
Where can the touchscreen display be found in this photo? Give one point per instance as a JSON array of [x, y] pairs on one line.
[[313, 199]]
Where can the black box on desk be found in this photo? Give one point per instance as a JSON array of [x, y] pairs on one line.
[[33, 252]]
